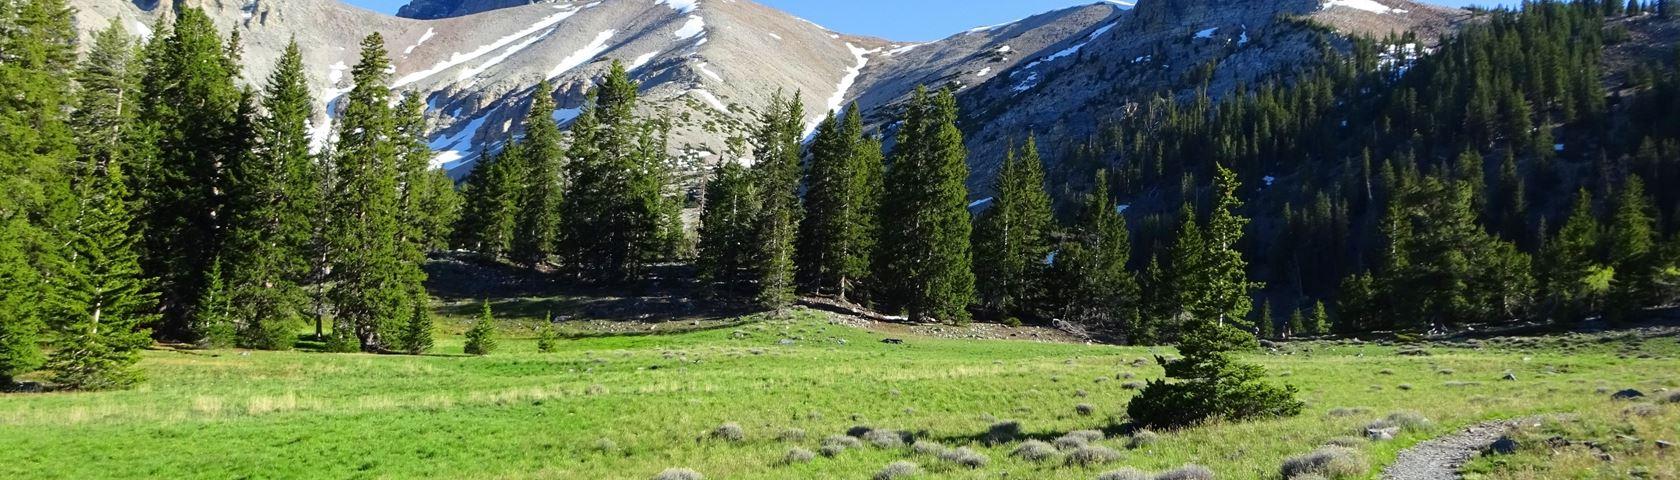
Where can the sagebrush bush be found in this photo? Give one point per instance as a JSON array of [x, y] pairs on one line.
[[1069, 442], [791, 435], [1084, 409], [729, 432], [884, 438], [964, 456], [1671, 397], [1187, 472], [678, 474], [1641, 410], [798, 455], [1142, 438], [1349, 411], [1033, 451], [927, 447], [1124, 474], [897, 470], [1348, 442], [1330, 462], [844, 441], [831, 450], [1405, 421], [1092, 455], [605, 445]]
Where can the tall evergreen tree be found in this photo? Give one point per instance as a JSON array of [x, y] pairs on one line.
[[417, 331], [776, 168], [107, 99], [1013, 237], [98, 300], [190, 108], [1096, 287], [37, 54], [617, 216], [276, 203], [842, 199], [488, 204], [1572, 279], [1222, 285], [537, 222], [372, 290], [925, 262], [728, 226], [1631, 243]]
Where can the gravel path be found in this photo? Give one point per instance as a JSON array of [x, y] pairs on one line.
[[1440, 458]]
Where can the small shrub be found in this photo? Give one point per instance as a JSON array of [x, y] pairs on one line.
[[927, 447], [798, 455], [897, 470], [1329, 462], [965, 457], [729, 432], [1405, 421], [605, 445], [1069, 442], [859, 430], [1124, 474], [1132, 385], [1209, 383], [1003, 432], [844, 441], [1088, 435], [1641, 410], [1349, 411], [791, 435], [1084, 409], [1187, 472], [884, 438], [1404, 386], [481, 338], [1034, 451], [1092, 455], [1671, 397], [831, 450], [678, 474], [1012, 321], [1142, 438]]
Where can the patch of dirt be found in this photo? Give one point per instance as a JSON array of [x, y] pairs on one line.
[[857, 317], [1441, 458]]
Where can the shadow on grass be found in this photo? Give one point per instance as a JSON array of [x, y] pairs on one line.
[[667, 293]]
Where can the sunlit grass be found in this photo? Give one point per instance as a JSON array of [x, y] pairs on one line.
[[630, 407]]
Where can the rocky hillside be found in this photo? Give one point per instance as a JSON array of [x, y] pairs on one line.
[[714, 63]]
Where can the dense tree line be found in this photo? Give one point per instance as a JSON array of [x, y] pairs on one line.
[[1501, 176], [156, 195]]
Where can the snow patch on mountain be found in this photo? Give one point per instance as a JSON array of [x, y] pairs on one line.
[[422, 41], [844, 86], [692, 28], [453, 149], [642, 60], [584, 55], [709, 99], [1032, 76], [681, 6], [1208, 33], [458, 58], [515, 48], [707, 71], [1367, 5]]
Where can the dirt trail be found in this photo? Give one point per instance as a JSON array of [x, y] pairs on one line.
[[1440, 458]]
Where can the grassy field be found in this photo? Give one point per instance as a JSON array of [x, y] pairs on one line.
[[632, 406]]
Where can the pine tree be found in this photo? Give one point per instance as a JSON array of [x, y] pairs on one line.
[[1096, 288], [98, 299], [546, 338], [776, 169], [1572, 280], [925, 262], [417, 332], [1012, 238], [107, 97], [1631, 242], [276, 203], [1222, 282], [842, 198], [1265, 325], [192, 133], [1319, 322], [1179, 280], [537, 222], [214, 321], [481, 338], [368, 266], [429, 204], [728, 224], [489, 201], [37, 54], [617, 216], [1297, 324]]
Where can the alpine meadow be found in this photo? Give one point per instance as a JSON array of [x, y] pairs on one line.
[[708, 239]]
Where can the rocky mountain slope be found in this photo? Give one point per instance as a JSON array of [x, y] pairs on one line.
[[714, 63]]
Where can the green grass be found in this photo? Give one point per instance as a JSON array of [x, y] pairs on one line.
[[654, 398]]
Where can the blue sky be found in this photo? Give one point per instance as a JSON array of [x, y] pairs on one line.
[[905, 20]]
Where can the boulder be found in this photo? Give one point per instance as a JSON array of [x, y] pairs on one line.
[[1503, 446], [1628, 394]]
